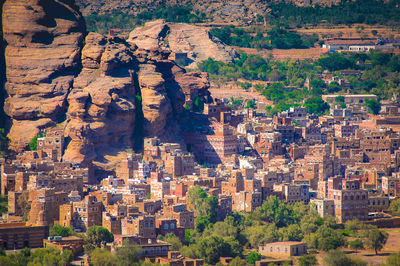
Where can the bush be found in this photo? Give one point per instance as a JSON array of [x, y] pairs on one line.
[[339, 258], [59, 230], [95, 235], [356, 244], [316, 106], [374, 106], [253, 257], [308, 260]]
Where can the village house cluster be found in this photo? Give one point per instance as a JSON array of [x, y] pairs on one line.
[[345, 164]]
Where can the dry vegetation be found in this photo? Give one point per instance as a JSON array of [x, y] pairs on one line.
[[355, 31]]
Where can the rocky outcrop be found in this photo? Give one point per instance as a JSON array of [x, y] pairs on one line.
[[106, 94], [195, 41], [156, 104], [101, 113], [42, 55], [149, 36]]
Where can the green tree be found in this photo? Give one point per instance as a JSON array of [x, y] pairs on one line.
[[67, 256], [394, 207], [253, 257], [175, 242], [308, 260], [317, 83], [45, 256], [261, 234], [316, 106], [212, 248], [339, 99], [394, 63], [339, 258], [335, 61], [33, 143], [95, 235], [205, 207], [103, 257], [251, 104], [128, 254], [356, 244], [333, 87], [190, 251], [275, 211], [237, 261], [379, 58], [373, 105], [325, 239], [198, 104], [376, 239], [291, 233], [353, 225], [59, 230]]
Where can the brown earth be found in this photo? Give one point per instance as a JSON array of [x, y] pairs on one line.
[[355, 31], [231, 89], [283, 54], [392, 245]]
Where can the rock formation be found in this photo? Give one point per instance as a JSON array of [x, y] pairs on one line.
[[105, 93], [182, 38], [101, 112], [42, 55]]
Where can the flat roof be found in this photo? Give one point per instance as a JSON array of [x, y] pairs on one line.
[[17, 225], [286, 243]]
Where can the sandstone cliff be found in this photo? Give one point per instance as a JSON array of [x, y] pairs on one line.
[[107, 94], [44, 40], [178, 38]]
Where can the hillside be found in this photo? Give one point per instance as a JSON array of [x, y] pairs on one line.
[[227, 10]]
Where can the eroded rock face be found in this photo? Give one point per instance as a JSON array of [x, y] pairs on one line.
[[118, 83], [104, 93], [182, 38], [155, 102], [42, 54], [101, 113]]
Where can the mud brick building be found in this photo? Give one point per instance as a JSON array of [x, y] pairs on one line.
[[82, 214], [21, 235], [168, 226], [351, 202], [289, 248], [246, 201], [180, 213], [45, 206], [324, 207], [143, 226], [213, 148], [53, 141]]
